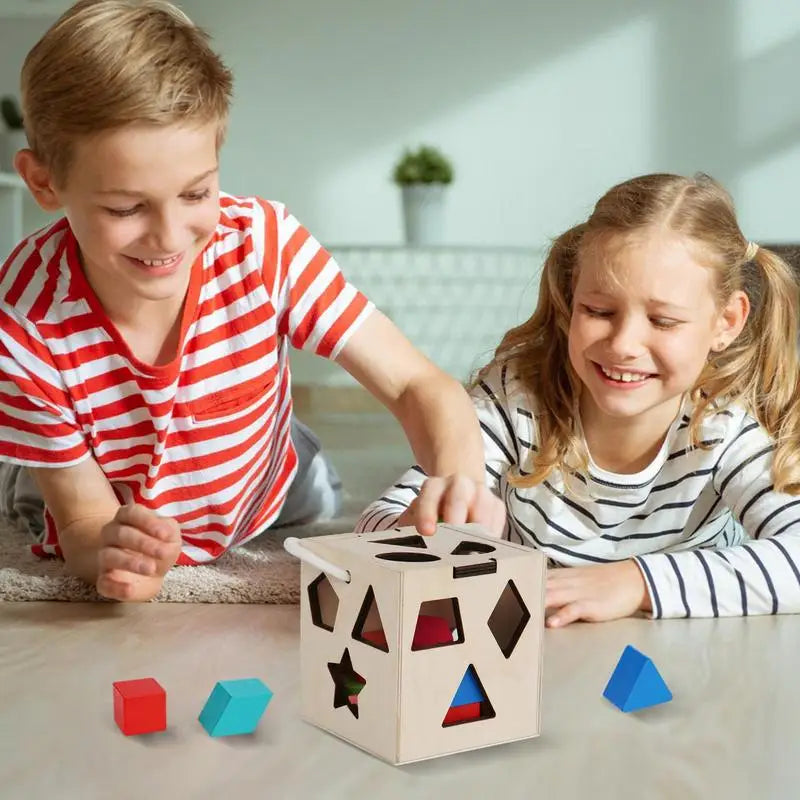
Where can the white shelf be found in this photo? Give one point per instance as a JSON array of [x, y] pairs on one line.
[[11, 179], [12, 192]]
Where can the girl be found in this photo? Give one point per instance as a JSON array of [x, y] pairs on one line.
[[642, 426]]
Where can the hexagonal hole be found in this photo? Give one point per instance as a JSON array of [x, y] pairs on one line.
[[323, 602], [508, 619]]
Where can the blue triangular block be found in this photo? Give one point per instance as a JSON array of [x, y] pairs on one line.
[[469, 691], [636, 683]]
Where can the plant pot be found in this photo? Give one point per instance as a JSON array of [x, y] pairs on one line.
[[10, 142], [423, 213]]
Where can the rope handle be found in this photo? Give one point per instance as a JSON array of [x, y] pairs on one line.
[[292, 545]]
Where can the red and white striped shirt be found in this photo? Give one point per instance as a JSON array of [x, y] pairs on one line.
[[204, 439]]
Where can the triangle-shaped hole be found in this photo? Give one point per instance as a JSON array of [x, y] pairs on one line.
[[468, 548], [403, 541], [438, 624], [323, 602], [470, 702], [369, 626]]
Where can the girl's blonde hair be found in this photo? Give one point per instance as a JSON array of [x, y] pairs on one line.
[[105, 64], [759, 369]]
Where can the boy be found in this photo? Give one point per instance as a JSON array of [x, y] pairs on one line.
[[144, 377]]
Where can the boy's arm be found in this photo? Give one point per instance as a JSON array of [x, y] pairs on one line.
[[433, 408], [81, 502], [501, 451]]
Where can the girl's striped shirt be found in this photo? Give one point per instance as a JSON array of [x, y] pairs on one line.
[[710, 533]]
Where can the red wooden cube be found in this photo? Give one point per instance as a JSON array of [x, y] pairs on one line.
[[140, 706]]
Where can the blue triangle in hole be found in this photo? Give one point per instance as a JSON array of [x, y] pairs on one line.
[[636, 683], [469, 691]]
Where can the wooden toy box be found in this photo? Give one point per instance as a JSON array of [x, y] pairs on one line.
[[434, 646]]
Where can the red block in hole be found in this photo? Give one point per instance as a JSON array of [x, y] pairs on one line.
[[465, 713], [140, 706], [430, 632]]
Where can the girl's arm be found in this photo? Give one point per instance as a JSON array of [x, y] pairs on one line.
[[761, 576]]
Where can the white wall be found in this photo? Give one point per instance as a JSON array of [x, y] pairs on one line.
[[541, 104]]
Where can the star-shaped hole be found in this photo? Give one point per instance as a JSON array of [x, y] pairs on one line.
[[348, 683]]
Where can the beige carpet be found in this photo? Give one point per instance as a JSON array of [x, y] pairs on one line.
[[259, 572]]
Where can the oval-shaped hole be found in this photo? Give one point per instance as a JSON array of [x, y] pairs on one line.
[[407, 557]]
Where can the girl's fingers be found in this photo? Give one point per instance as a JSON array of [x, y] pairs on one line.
[[565, 615]]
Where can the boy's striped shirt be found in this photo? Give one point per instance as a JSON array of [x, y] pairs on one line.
[[709, 532], [204, 439]]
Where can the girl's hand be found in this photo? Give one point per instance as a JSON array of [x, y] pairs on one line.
[[595, 594], [455, 499], [137, 544]]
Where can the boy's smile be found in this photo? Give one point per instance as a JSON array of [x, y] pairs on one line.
[[142, 201]]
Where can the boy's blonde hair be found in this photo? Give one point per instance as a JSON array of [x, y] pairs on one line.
[[759, 369], [105, 64]]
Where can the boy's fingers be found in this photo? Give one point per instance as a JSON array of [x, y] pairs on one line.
[[112, 558], [488, 510], [427, 505], [111, 585], [147, 521], [129, 538], [457, 500]]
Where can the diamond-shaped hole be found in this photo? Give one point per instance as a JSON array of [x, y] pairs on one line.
[[369, 626], [403, 541], [323, 602], [509, 618], [467, 548], [438, 624], [470, 702]]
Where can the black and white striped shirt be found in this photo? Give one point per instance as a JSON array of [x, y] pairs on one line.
[[706, 526]]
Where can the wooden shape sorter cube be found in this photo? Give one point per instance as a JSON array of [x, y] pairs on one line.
[[140, 706], [436, 646]]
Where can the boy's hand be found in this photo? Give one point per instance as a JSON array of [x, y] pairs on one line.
[[455, 499], [595, 594], [136, 543]]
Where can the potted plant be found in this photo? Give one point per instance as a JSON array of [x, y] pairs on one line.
[[423, 176], [14, 135]]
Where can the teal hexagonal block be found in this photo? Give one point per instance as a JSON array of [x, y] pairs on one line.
[[235, 707]]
